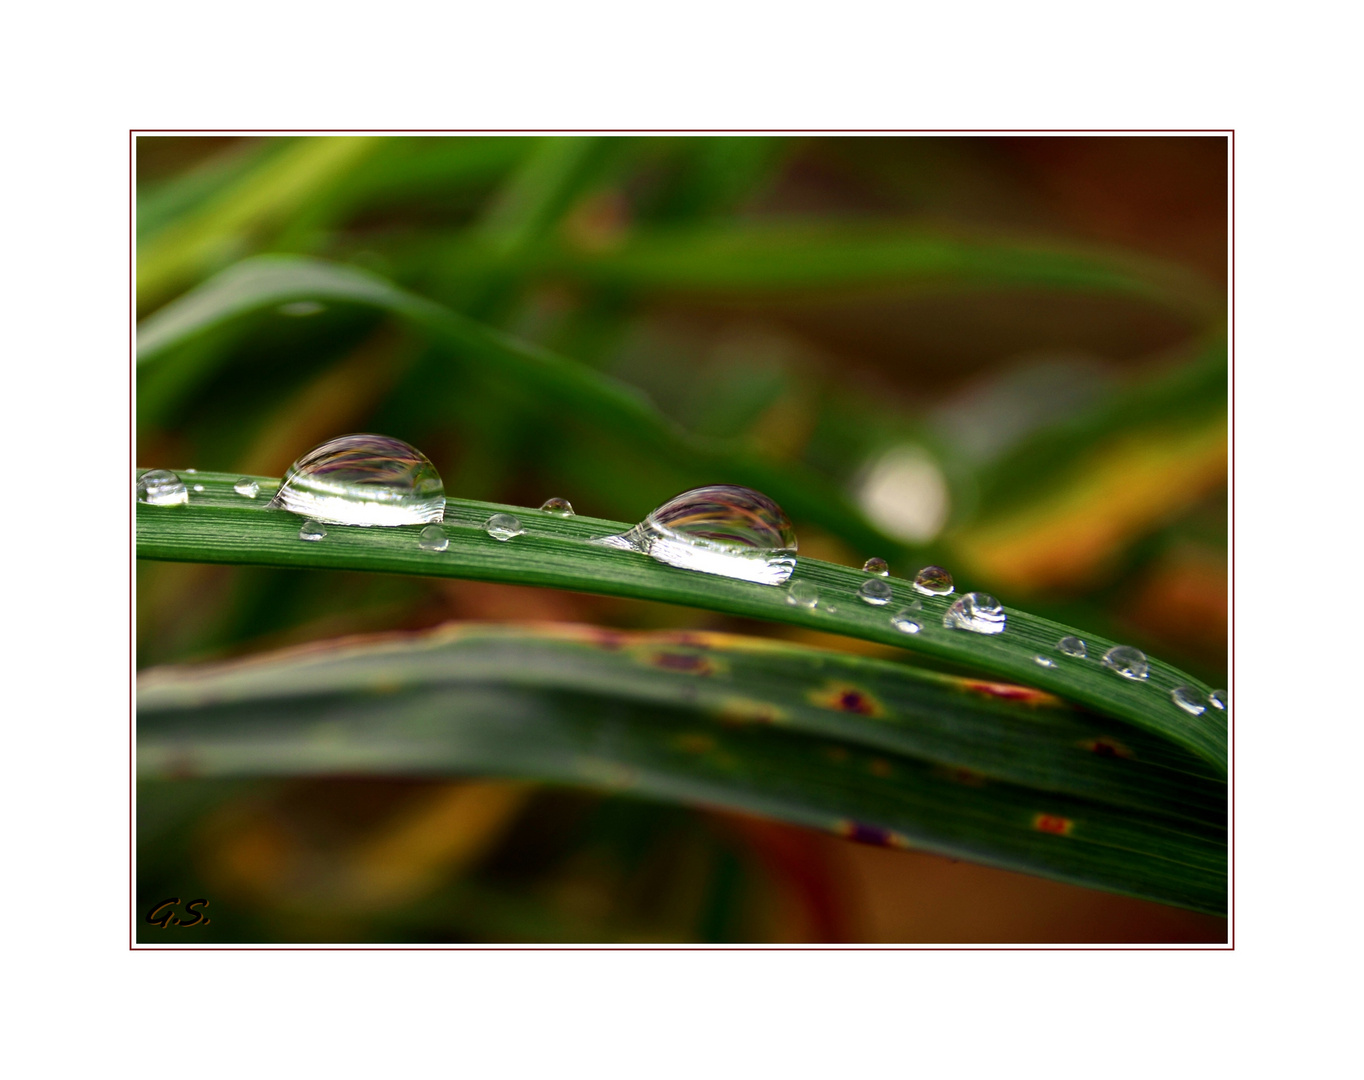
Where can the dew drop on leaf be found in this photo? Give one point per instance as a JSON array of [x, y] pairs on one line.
[[1043, 661], [558, 507], [1188, 699], [802, 594], [503, 526], [874, 592], [1218, 700], [1072, 646], [722, 529], [312, 530], [246, 486], [933, 581], [160, 487], [363, 480], [198, 488], [433, 538], [876, 565], [1128, 662], [906, 620], [977, 612]]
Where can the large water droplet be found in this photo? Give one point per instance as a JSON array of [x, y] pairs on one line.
[[1072, 646], [433, 538], [364, 480], [978, 612], [802, 594], [723, 529], [1043, 661], [874, 592], [1188, 699], [503, 526], [246, 486], [1128, 662], [160, 487], [876, 565], [933, 581], [906, 620], [1218, 700], [558, 507], [312, 530]]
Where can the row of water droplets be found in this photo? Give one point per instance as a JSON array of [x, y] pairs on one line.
[[727, 530]]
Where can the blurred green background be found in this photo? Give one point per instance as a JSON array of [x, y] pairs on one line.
[[1004, 354]]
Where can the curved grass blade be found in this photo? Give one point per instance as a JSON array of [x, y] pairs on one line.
[[587, 397], [220, 526], [290, 717]]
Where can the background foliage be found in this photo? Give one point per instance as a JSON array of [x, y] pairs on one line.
[[1019, 336]]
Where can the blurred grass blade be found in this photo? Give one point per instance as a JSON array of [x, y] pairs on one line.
[[220, 526], [582, 396], [279, 187], [655, 715]]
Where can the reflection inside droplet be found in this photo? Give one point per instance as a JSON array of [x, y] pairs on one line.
[[363, 480], [933, 581], [161, 487], [722, 529], [876, 565], [1126, 661], [558, 507], [980, 613]]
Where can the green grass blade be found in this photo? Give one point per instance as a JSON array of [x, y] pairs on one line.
[[219, 526], [583, 396], [519, 704]]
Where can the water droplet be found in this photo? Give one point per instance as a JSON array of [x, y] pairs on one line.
[[301, 309], [1072, 646], [191, 471], [905, 619], [802, 594], [246, 486], [978, 612], [723, 529], [312, 530], [363, 480], [1218, 700], [198, 487], [1128, 662], [503, 526], [160, 487], [1188, 699], [874, 592], [876, 565], [933, 581], [558, 507], [1042, 661], [433, 538]]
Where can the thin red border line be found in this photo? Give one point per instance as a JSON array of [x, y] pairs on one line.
[[1231, 945]]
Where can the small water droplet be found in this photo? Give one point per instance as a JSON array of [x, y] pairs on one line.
[[722, 529], [874, 592], [503, 526], [1042, 661], [1218, 700], [198, 487], [1188, 699], [246, 486], [1072, 646], [876, 565], [905, 619], [802, 594], [301, 309], [558, 507], [363, 480], [433, 538], [1128, 662], [191, 471], [933, 581], [312, 530], [160, 487], [977, 612]]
